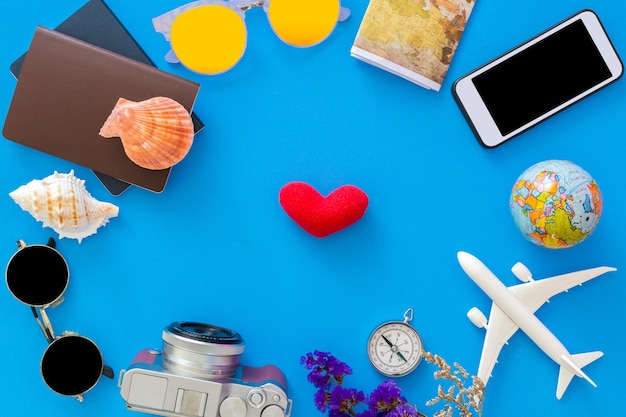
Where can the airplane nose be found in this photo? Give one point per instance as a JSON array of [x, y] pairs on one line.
[[472, 266], [463, 256]]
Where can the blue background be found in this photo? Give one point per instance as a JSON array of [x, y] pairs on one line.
[[216, 246]]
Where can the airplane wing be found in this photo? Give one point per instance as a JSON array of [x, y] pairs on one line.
[[499, 330], [535, 293]]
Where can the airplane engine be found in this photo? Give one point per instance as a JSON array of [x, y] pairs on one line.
[[522, 272], [477, 317]]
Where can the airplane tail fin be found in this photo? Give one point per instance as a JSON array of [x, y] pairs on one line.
[[573, 367]]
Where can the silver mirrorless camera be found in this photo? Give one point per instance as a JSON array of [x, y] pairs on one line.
[[198, 373]]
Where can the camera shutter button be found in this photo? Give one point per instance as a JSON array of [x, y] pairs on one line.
[[233, 407], [273, 411], [256, 399]]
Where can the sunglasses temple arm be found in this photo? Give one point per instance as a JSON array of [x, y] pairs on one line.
[[108, 372], [171, 57], [344, 13], [44, 323]]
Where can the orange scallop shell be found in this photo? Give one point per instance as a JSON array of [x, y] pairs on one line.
[[156, 133]]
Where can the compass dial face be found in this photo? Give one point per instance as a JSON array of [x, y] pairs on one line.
[[395, 349]]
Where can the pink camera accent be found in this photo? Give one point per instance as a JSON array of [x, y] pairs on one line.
[[263, 374], [146, 356]]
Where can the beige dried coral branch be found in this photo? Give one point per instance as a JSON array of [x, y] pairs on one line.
[[465, 400], [447, 411]]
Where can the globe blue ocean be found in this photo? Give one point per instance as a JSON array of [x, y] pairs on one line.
[[556, 204]]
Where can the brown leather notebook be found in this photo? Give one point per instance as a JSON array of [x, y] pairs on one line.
[[67, 89]]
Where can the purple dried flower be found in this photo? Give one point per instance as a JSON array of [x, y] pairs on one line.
[[326, 374], [321, 399], [323, 367], [343, 401], [319, 379], [404, 410], [309, 360], [386, 397], [337, 369]]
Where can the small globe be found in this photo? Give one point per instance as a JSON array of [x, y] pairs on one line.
[[556, 204]]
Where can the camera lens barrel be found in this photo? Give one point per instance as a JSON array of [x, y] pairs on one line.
[[201, 350]]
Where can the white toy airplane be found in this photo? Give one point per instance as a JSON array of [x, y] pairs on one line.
[[514, 307]]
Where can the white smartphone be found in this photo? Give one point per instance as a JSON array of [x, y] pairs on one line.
[[537, 79]]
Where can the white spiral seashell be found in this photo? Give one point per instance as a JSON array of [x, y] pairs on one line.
[[62, 203]]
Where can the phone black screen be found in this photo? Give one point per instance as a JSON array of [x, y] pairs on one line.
[[541, 77]]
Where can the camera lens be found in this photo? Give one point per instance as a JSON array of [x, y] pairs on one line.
[[201, 350], [205, 333]]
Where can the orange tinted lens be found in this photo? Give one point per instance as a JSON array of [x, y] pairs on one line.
[[209, 39], [302, 22]]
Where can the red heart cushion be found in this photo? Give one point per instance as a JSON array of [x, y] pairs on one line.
[[319, 215]]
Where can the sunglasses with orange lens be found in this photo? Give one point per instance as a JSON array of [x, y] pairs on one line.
[[210, 36]]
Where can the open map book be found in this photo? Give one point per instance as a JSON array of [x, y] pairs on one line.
[[414, 39]]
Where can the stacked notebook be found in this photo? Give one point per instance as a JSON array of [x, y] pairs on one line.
[[67, 87]]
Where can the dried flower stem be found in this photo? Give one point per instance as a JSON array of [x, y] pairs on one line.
[[464, 399]]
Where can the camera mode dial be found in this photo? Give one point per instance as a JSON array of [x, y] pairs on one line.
[[273, 411], [233, 407]]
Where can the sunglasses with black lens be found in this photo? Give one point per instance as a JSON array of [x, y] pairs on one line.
[[38, 275]]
